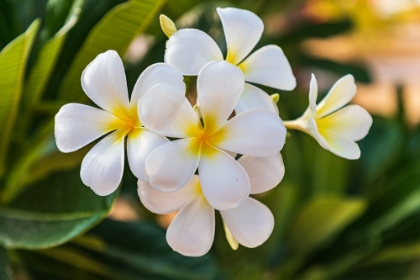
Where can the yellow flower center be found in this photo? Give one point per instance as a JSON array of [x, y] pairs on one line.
[[205, 138]]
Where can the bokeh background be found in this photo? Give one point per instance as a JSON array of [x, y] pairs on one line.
[[335, 219]]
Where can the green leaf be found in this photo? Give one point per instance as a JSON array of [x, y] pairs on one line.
[[51, 212], [118, 250], [4, 264], [47, 58], [141, 249], [398, 253], [115, 31], [13, 60], [320, 220]]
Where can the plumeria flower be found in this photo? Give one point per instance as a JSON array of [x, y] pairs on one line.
[[204, 139], [191, 232], [190, 49], [335, 129], [76, 125]]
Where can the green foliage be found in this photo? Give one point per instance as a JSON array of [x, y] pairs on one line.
[[13, 60]]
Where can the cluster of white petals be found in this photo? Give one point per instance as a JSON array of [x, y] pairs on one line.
[[210, 156]]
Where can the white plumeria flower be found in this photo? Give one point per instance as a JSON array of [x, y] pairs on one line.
[[76, 125], [191, 233], [255, 132], [190, 49], [335, 129]]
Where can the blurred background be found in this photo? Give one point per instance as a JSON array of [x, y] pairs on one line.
[[335, 219]]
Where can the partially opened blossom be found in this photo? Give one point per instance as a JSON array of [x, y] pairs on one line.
[[76, 125], [205, 139], [190, 49], [335, 128], [191, 233]]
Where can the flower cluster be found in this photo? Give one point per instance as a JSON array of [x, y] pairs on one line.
[[210, 156]]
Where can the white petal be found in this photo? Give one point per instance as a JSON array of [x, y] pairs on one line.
[[340, 94], [255, 132], [253, 97], [269, 66], [102, 167], [190, 49], [309, 126], [140, 143], [103, 80], [166, 202], [251, 223], [341, 145], [191, 233], [352, 121], [172, 165], [219, 86], [224, 181], [264, 173], [159, 73], [165, 110], [313, 94], [243, 30], [77, 125]]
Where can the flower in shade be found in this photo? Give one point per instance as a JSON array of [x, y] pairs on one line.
[[205, 139], [76, 125], [190, 49], [191, 233], [335, 128]]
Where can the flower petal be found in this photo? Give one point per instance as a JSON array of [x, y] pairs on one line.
[[140, 143], [165, 110], [264, 173], [352, 121], [341, 145], [340, 94], [190, 49], [191, 233], [253, 97], [219, 86], [269, 66], [255, 132], [103, 80], [313, 94], [224, 181], [76, 125], [103, 166], [172, 165], [243, 30], [166, 202], [251, 223], [159, 73]]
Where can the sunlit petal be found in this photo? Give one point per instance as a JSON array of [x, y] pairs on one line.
[[102, 167], [224, 182], [251, 223], [269, 66], [264, 173], [140, 143], [103, 80], [352, 121], [166, 111], [159, 73], [172, 165], [340, 94], [166, 202], [190, 49], [253, 97], [191, 233], [341, 145], [219, 86], [255, 132], [77, 125], [243, 30]]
